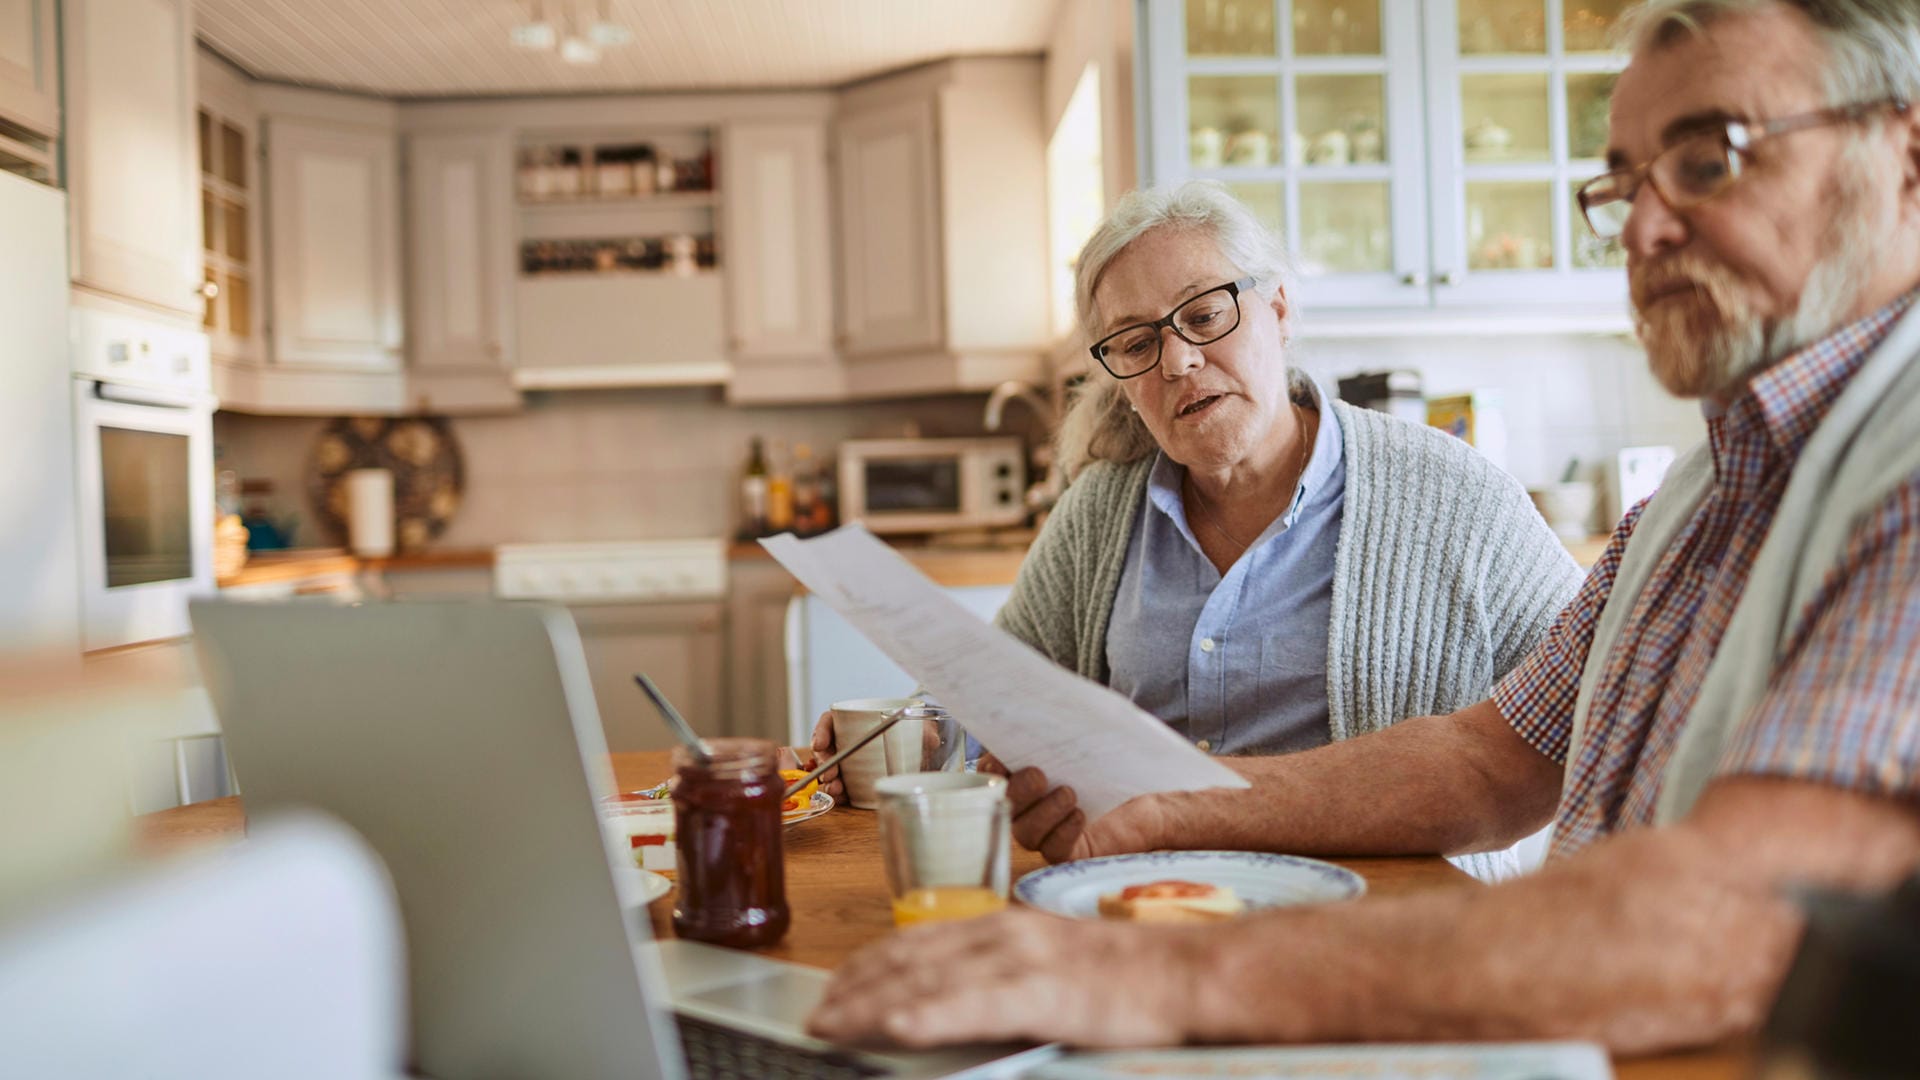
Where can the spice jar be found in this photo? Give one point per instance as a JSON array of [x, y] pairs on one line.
[[732, 886], [645, 169], [566, 179], [612, 171]]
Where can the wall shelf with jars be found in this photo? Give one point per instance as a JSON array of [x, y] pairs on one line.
[[618, 278], [1419, 155], [617, 203], [680, 254], [672, 200], [621, 168]]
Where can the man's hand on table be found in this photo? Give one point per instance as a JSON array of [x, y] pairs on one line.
[[1017, 975], [823, 746], [1049, 821]]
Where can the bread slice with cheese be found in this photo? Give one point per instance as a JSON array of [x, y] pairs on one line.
[[1172, 902]]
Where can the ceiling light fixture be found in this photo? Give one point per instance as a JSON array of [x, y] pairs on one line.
[[582, 42], [536, 33], [576, 50], [606, 33]]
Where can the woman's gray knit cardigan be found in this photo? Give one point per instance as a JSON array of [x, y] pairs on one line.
[[1444, 577]]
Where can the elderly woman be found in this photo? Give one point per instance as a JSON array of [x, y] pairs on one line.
[[1262, 567]]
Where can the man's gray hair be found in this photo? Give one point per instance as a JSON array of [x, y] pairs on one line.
[[1873, 45], [1099, 425]]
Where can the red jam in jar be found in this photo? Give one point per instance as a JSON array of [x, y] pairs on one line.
[[732, 883]]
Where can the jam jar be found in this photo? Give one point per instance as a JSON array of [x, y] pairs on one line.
[[732, 883]]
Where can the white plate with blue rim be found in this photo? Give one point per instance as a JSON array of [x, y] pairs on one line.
[[1258, 879]]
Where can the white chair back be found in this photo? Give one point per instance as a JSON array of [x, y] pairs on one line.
[[280, 956]]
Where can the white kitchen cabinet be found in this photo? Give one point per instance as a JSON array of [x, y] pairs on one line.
[[333, 242], [460, 269], [132, 175], [230, 203], [612, 287], [889, 217], [29, 72], [941, 173], [1420, 156], [677, 645], [779, 261]]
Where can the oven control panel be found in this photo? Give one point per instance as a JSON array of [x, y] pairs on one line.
[[139, 352]]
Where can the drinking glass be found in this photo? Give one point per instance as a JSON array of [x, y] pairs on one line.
[[945, 838], [926, 739]]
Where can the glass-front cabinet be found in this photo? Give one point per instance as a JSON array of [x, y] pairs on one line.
[[1417, 154]]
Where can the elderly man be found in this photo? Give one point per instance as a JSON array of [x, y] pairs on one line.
[[1731, 706]]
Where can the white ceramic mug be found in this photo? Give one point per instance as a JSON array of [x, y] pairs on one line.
[[1205, 147], [1568, 508], [1250, 148], [852, 721]]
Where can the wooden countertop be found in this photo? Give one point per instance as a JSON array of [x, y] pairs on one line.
[[993, 563], [837, 890], [295, 564]]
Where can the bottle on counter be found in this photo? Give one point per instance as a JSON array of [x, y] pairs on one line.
[[779, 494], [753, 492], [806, 490], [827, 509]]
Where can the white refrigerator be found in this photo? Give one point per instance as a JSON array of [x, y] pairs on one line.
[[39, 562]]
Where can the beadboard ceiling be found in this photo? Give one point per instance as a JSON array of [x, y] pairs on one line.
[[459, 48]]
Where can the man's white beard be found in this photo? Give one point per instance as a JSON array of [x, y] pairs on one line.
[[1710, 344]]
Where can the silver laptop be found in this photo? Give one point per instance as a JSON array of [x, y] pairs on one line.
[[462, 741]]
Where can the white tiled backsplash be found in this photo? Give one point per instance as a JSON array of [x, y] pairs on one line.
[[643, 464], [1565, 397], [599, 465]]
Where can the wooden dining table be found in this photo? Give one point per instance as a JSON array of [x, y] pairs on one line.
[[837, 891]]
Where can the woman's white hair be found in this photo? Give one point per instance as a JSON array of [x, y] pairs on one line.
[[1873, 45], [1099, 424]]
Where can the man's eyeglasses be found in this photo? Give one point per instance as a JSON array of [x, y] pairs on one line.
[[1701, 165], [1201, 320]]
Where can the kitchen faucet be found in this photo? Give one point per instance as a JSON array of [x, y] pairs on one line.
[[1046, 487], [1008, 391]]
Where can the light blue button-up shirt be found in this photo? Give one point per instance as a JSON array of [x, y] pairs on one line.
[[1236, 662]]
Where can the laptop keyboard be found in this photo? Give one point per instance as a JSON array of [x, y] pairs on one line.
[[723, 1053]]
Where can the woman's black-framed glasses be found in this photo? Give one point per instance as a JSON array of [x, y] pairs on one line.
[[1201, 320], [1701, 164]]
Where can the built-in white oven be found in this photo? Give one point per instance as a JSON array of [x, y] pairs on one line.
[[144, 468]]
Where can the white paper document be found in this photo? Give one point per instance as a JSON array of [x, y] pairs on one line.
[[1022, 706]]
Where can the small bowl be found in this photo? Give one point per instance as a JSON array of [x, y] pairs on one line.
[[643, 824]]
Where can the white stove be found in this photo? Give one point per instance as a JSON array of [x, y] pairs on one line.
[[624, 572]]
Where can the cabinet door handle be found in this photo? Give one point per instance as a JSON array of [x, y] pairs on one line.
[[208, 289], [1413, 278], [1448, 277]]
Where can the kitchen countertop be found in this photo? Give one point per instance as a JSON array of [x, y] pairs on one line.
[[989, 559], [296, 564]]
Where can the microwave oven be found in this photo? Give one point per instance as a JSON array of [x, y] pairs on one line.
[[927, 485]]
